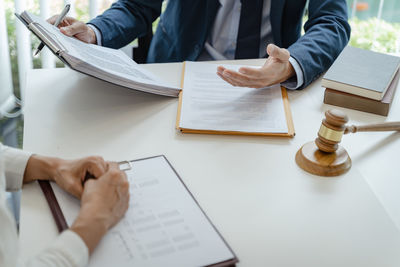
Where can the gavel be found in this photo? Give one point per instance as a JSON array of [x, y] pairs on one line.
[[324, 156]]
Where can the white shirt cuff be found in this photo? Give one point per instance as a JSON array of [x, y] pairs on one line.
[[97, 33], [68, 250], [15, 161], [296, 81]]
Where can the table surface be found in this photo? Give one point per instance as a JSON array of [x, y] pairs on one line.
[[270, 211]]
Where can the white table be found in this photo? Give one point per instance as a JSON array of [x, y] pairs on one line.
[[271, 212]]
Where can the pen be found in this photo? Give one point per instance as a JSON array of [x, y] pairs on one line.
[[59, 19]]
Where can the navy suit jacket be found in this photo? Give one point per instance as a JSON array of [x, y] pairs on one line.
[[185, 25]]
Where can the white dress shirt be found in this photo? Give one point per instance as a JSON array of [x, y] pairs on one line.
[[68, 250]]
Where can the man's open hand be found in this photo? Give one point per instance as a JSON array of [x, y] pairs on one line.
[[276, 69]]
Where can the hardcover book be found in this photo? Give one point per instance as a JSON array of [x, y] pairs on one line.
[[346, 100], [362, 72]]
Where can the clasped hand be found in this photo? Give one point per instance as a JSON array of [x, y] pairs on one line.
[[104, 199]]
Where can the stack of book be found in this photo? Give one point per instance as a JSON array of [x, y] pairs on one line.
[[362, 80]]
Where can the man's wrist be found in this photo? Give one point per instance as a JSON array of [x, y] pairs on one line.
[[41, 168], [93, 39], [290, 72], [297, 80], [96, 32], [90, 227]]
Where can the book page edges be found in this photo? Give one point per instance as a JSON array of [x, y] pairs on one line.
[[351, 89], [288, 113], [178, 115], [43, 36]]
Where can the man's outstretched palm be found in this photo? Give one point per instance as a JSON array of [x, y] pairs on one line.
[[276, 69]]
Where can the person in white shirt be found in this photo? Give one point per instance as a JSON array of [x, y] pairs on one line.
[[104, 201]]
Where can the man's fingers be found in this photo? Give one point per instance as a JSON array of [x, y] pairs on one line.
[[221, 69], [246, 77], [123, 188], [66, 31], [277, 52], [253, 73], [52, 19], [74, 28], [113, 165], [96, 166], [65, 22], [224, 74], [227, 79], [74, 188], [114, 174], [77, 191], [240, 77]]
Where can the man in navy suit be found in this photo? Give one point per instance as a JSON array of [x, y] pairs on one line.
[[229, 29]]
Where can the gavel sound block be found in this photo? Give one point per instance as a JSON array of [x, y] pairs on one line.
[[324, 156]]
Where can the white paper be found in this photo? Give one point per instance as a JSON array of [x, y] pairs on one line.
[[210, 103], [162, 227]]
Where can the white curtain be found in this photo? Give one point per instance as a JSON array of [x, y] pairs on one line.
[[23, 48], [7, 100]]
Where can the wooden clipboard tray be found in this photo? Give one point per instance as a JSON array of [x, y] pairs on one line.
[[288, 114]]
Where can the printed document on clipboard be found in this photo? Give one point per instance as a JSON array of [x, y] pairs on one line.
[[164, 225], [209, 105]]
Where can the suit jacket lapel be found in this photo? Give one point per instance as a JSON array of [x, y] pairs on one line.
[[276, 20]]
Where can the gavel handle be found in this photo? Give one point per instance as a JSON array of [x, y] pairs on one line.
[[382, 127]]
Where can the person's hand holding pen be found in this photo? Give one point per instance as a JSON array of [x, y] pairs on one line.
[[56, 22], [74, 28]]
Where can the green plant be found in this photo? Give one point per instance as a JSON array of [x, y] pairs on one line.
[[376, 35]]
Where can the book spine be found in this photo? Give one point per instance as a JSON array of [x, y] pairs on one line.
[[33, 27]]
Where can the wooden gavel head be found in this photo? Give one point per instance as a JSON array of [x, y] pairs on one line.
[[324, 156], [331, 130]]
